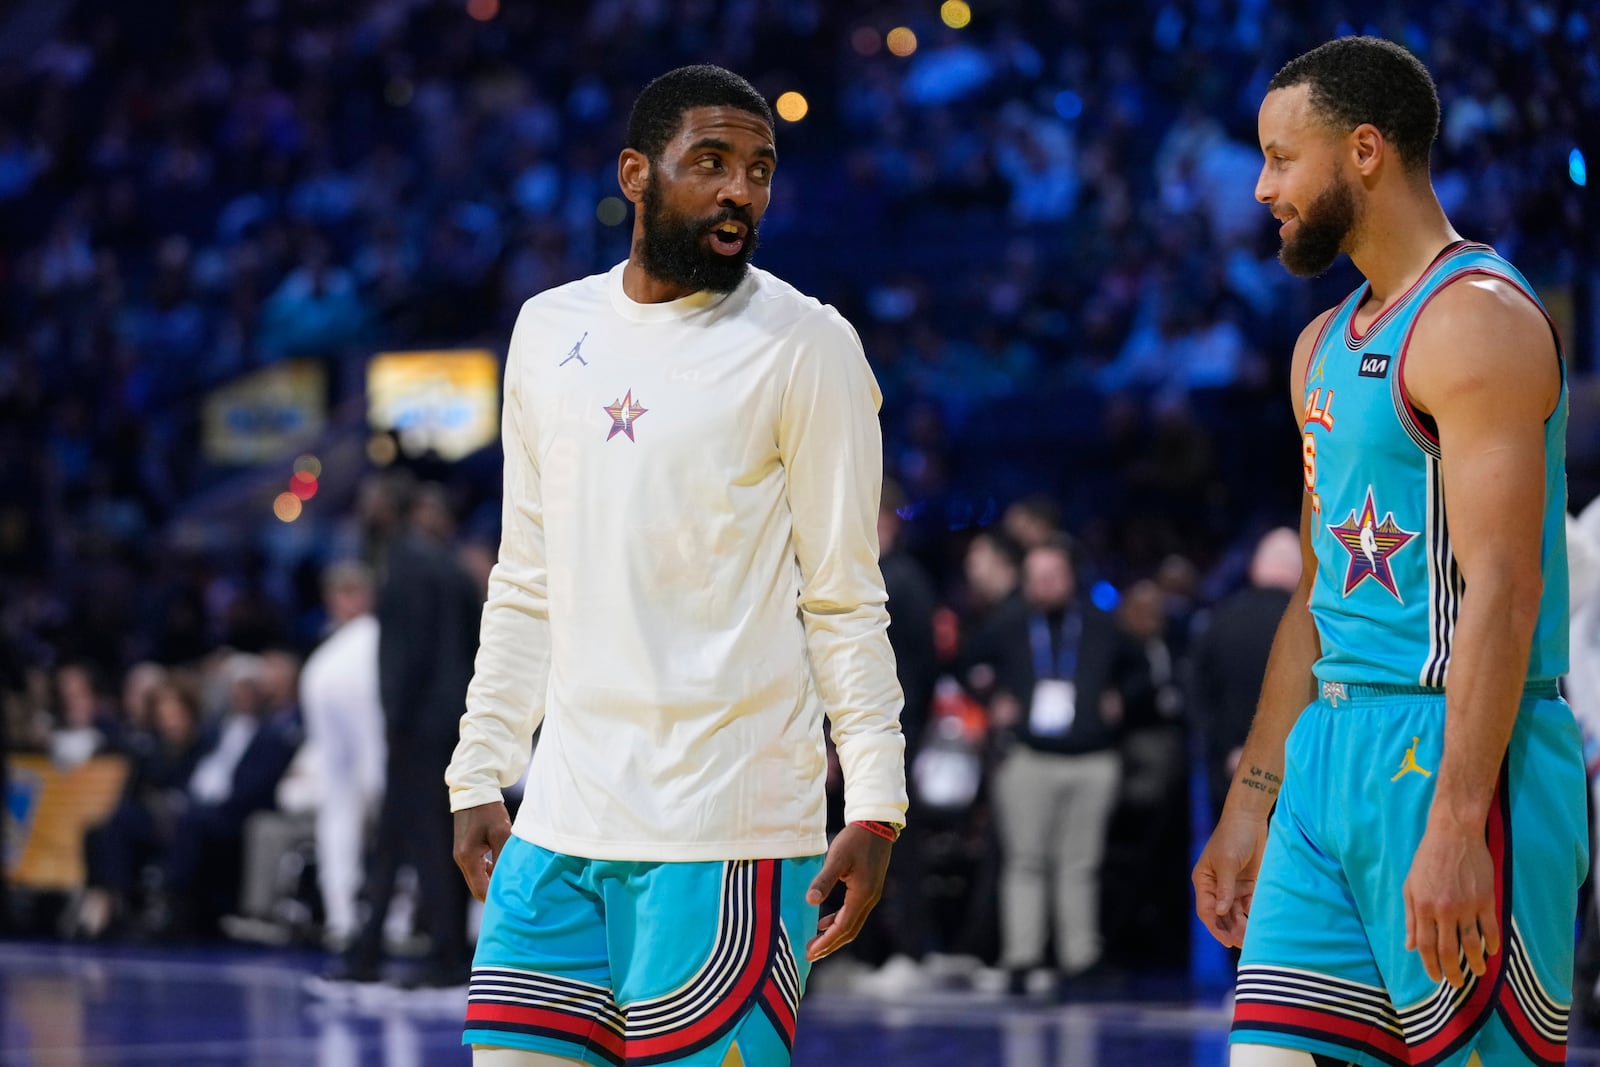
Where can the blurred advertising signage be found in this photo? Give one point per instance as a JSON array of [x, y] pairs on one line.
[[446, 402], [266, 413]]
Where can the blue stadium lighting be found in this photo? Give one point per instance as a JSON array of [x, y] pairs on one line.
[[1105, 596], [1069, 105], [1577, 169]]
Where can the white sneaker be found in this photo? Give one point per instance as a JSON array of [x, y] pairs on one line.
[[899, 976]]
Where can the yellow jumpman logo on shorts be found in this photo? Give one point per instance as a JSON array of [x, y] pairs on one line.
[[1409, 764]]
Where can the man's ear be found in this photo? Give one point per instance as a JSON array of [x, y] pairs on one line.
[[633, 174], [1368, 148]]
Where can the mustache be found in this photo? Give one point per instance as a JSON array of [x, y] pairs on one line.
[[729, 214]]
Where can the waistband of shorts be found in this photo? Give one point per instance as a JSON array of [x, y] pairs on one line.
[[1334, 693]]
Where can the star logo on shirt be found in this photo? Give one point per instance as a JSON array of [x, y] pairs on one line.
[[1370, 544], [623, 413]]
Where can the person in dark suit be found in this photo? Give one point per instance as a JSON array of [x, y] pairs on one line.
[[1230, 657], [428, 610]]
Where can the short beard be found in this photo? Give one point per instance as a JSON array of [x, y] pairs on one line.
[[1324, 227], [671, 249]]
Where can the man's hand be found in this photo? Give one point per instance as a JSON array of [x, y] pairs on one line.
[[860, 859], [481, 833], [1449, 898], [1225, 876]]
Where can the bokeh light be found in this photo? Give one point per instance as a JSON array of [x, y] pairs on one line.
[[287, 507], [1577, 168], [308, 464], [1069, 105], [382, 450], [483, 10], [303, 485], [866, 41], [901, 41], [957, 14], [611, 211], [792, 107]]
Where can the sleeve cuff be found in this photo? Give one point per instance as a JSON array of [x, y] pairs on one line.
[[462, 799]]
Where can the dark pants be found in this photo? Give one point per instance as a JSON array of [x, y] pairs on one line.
[[415, 826]]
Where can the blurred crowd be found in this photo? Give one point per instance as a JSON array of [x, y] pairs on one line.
[[1041, 223]]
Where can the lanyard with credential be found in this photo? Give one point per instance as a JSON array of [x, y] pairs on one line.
[[1066, 661]]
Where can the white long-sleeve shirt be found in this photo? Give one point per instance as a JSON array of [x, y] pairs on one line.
[[687, 579], [344, 716]]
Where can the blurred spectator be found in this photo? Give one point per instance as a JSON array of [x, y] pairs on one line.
[[1145, 891], [1230, 656], [138, 835], [1055, 666], [896, 931], [85, 725], [1032, 521], [242, 757], [345, 731], [428, 613]]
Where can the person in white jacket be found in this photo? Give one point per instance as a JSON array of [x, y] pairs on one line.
[[344, 728], [687, 582]]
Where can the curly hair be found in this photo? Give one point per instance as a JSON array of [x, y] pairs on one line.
[[658, 111], [1357, 80]]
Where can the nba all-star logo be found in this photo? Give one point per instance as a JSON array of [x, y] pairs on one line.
[[1371, 543], [623, 414]]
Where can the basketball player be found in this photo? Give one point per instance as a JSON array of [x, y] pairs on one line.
[[1413, 899], [687, 581]]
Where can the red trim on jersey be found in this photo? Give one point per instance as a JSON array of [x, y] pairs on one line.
[[741, 997], [1416, 413], [1517, 1020], [580, 1029], [1470, 1016], [1378, 322], [778, 1009], [1340, 1029], [1327, 324]]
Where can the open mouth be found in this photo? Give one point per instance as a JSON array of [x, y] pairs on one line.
[[727, 238]]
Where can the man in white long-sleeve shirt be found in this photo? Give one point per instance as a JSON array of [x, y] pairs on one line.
[[687, 582], [344, 727]]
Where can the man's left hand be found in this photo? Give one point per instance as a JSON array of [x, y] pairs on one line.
[[1450, 905], [860, 859]]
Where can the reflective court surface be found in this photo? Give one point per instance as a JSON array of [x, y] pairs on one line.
[[65, 1006]]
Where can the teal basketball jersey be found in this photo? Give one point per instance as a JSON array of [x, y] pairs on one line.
[[1388, 587]]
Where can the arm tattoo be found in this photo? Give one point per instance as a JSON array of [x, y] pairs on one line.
[[1262, 779]]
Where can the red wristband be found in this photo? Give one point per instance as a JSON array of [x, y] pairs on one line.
[[886, 830]]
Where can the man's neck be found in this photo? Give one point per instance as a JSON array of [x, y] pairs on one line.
[[1399, 240]]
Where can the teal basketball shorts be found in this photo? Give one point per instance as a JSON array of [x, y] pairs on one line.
[[617, 963], [1325, 968]]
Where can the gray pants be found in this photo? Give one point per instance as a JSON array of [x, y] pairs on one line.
[[1052, 812]]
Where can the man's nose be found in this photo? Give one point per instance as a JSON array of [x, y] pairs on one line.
[[735, 191]]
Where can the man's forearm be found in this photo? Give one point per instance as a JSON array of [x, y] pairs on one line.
[[1286, 689], [1488, 668]]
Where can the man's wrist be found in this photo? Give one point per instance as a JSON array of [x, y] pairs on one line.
[[887, 830]]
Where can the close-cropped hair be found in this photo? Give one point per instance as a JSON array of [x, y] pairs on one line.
[[658, 111], [1356, 80]]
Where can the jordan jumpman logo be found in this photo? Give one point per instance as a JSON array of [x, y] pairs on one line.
[[575, 354], [1409, 764]]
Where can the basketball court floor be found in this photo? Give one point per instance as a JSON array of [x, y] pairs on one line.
[[68, 1006]]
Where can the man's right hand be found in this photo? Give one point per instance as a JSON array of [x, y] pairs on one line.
[[481, 833], [1225, 876]]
